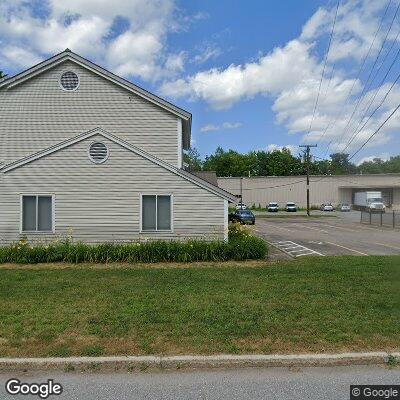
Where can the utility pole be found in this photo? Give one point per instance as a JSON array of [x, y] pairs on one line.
[[241, 190], [307, 154]]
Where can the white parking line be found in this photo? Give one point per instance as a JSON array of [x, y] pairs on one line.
[[295, 249], [348, 248], [306, 226], [389, 246]]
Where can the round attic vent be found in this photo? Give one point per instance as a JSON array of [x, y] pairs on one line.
[[69, 81], [98, 152]]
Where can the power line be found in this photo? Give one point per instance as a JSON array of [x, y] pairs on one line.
[[377, 130], [369, 75], [356, 132], [323, 69], [272, 187], [330, 124], [365, 111]]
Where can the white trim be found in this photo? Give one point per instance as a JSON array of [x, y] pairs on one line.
[[90, 157], [98, 131], [226, 220], [53, 213], [62, 87], [171, 212], [180, 143]]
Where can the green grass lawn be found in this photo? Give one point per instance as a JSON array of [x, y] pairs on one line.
[[310, 305]]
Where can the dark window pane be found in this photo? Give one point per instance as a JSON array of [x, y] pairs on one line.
[[44, 213], [29, 213], [164, 212], [148, 212]]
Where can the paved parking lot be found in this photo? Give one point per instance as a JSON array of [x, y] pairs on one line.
[[344, 235]]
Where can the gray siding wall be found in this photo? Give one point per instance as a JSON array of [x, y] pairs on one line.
[[101, 202], [396, 198], [38, 113]]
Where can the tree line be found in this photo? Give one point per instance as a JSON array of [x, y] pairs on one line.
[[283, 163]]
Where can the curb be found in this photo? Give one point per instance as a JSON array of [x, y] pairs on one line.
[[142, 363]]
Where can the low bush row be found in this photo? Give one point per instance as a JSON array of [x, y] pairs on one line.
[[241, 246]]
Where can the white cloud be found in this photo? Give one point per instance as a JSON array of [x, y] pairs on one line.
[[231, 125], [88, 28], [20, 57], [277, 71], [290, 75], [291, 147], [383, 157], [209, 128], [225, 125], [208, 52]]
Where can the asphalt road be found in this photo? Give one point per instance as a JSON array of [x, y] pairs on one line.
[[343, 235], [251, 383]]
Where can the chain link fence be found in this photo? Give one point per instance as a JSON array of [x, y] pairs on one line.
[[389, 218]]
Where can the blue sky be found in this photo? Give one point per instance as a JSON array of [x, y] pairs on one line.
[[248, 71]]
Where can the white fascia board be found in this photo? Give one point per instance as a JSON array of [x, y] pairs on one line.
[[180, 138]]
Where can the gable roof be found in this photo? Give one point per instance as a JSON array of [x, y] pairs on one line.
[[99, 131], [68, 55]]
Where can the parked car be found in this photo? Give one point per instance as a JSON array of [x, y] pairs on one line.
[[344, 207], [272, 207], [243, 216], [290, 207], [241, 206], [327, 207]]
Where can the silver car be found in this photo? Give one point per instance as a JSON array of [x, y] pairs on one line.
[[241, 206], [327, 207], [345, 207], [272, 207], [290, 207]]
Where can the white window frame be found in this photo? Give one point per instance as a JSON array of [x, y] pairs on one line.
[[141, 230], [53, 212]]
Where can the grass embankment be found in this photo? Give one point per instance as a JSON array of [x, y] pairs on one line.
[[309, 305]]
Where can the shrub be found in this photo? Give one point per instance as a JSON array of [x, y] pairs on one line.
[[241, 246]]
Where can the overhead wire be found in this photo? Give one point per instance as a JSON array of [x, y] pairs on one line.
[[331, 124], [366, 109], [375, 132], [369, 75], [324, 66], [355, 134]]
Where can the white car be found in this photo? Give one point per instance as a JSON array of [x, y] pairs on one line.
[[290, 207], [327, 207], [344, 207], [272, 207], [241, 206]]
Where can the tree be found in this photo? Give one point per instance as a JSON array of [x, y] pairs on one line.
[[2, 75], [193, 160], [278, 163], [231, 163], [340, 164], [378, 166]]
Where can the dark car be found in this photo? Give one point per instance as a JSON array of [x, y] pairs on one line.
[[243, 216]]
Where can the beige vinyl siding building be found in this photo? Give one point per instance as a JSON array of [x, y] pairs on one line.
[[40, 114], [334, 189], [101, 203], [86, 153]]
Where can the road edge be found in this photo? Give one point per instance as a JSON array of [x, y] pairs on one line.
[[142, 363]]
